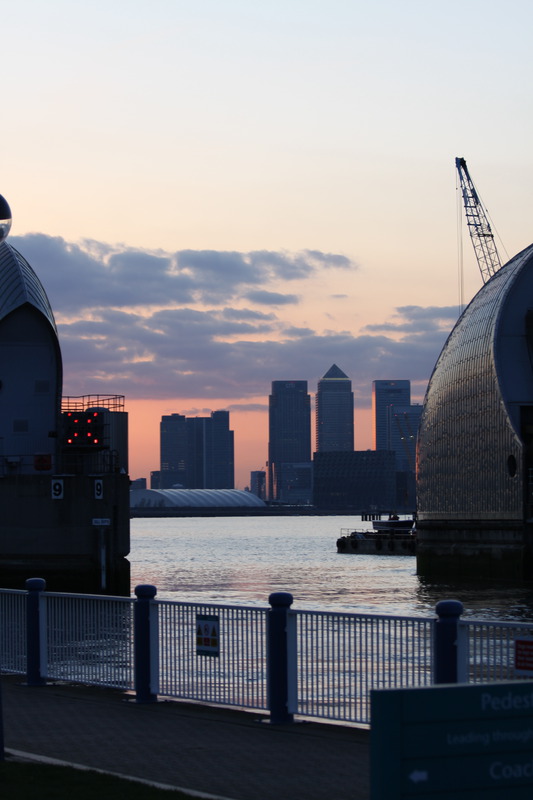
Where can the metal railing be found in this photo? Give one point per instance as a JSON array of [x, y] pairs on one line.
[[342, 657], [89, 642], [13, 655], [229, 669], [272, 659], [112, 402], [494, 651]]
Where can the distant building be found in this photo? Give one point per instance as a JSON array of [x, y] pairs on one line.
[[395, 424], [360, 481], [258, 483], [334, 412], [173, 444], [385, 396], [196, 452], [404, 422], [138, 483], [193, 502], [289, 443]]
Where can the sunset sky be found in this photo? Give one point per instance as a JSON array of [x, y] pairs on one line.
[[217, 194]]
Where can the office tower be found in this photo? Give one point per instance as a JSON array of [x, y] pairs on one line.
[[354, 482], [258, 483], [173, 451], [334, 412], [385, 396], [289, 444], [404, 422], [197, 452], [222, 443]]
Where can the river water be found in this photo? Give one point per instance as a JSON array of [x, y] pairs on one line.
[[241, 560]]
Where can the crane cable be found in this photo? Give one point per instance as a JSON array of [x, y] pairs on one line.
[[460, 269]]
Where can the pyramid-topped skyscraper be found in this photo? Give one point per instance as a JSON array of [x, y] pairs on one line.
[[334, 412]]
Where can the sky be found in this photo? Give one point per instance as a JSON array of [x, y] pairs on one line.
[[216, 194]]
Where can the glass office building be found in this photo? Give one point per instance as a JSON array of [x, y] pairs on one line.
[[475, 441], [334, 412], [289, 443]]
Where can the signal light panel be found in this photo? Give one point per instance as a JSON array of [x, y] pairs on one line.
[[85, 429]]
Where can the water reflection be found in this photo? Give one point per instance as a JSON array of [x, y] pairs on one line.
[[242, 560], [483, 600]]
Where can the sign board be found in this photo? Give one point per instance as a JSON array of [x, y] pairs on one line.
[[207, 635], [461, 742], [98, 489], [57, 489], [523, 656], [103, 522]]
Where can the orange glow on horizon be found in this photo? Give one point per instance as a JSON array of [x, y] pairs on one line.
[[251, 435]]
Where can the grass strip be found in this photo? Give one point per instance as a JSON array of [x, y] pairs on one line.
[[25, 780]]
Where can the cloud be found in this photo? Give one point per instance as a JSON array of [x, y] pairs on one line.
[[410, 319], [262, 297], [154, 325], [94, 275]]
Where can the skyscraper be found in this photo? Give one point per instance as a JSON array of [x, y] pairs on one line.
[[289, 443], [173, 451], [197, 452], [334, 412], [404, 422], [385, 396]]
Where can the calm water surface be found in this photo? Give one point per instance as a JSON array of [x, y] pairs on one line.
[[242, 560]]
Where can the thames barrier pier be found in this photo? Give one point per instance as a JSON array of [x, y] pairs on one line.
[[475, 441], [64, 485]]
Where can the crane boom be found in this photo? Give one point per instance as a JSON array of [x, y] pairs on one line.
[[479, 228]]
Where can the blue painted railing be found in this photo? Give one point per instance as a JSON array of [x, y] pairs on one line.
[[276, 659]]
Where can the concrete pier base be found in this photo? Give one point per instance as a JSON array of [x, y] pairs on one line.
[[475, 550]]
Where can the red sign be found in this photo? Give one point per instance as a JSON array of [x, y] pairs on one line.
[[523, 656]]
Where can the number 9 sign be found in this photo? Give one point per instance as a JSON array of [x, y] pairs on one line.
[[57, 489]]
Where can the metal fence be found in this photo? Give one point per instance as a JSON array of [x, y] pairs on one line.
[[494, 651], [212, 653], [13, 631], [273, 659], [342, 657], [89, 639]]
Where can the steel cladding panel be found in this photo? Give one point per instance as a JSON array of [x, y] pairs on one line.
[[468, 429]]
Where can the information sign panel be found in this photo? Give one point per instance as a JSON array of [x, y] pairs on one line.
[[57, 489], [461, 742], [523, 656], [207, 635]]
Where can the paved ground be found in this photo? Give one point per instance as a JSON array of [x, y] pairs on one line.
[[215, 752]]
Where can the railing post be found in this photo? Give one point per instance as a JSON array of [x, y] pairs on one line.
[[445, 668], [146, 644], [278, 658], [36, 646]]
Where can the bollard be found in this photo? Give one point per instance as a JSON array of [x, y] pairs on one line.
[[146, 667], [446, 668], [278, 658], [36, 660]]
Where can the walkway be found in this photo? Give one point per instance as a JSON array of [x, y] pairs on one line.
[[214, 752]]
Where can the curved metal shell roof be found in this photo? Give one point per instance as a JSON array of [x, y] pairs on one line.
[[19, 285], [193, 498], [470, 432]]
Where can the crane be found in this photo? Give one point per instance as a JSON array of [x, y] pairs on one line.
[[487, 255]]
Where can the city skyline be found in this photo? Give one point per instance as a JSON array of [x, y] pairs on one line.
[[232, 193]]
